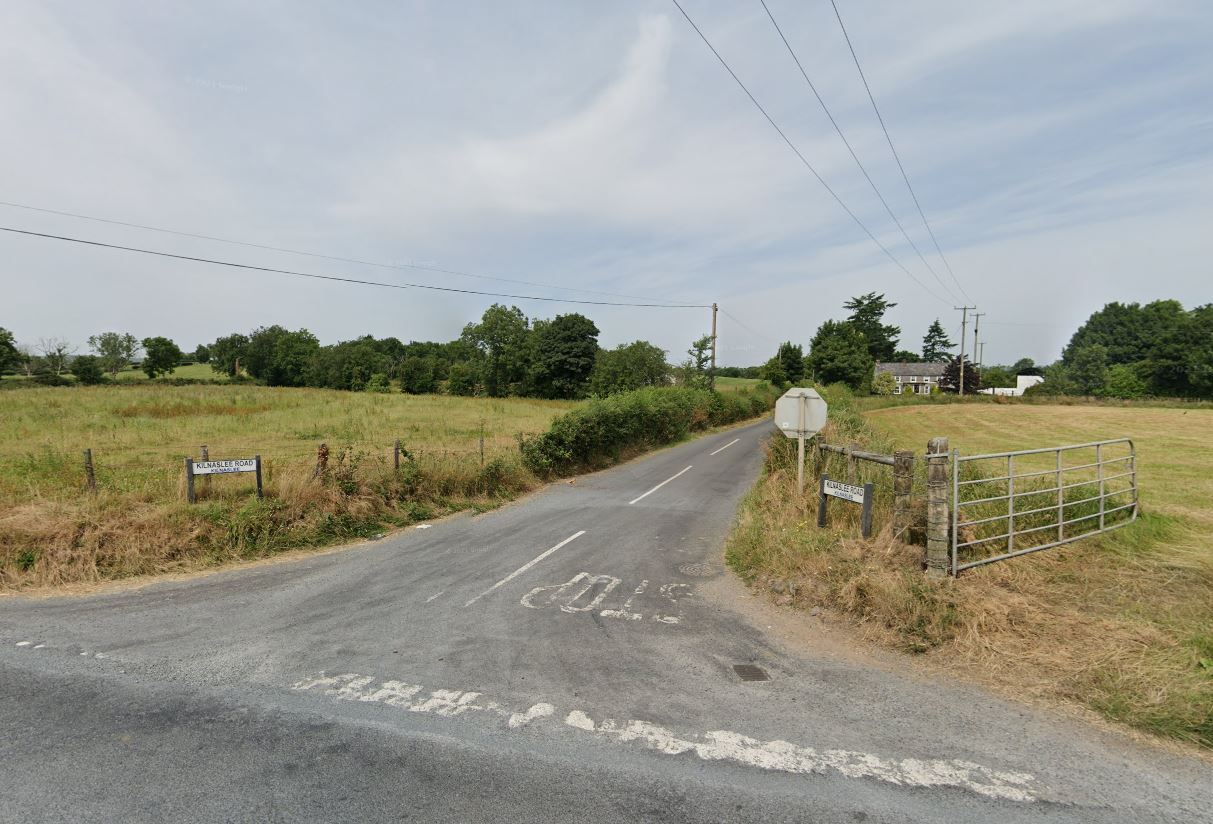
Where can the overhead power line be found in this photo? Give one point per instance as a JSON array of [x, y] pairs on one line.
[[340, 279], [854, 156], [893, 149], [802, 158], [379, 264]]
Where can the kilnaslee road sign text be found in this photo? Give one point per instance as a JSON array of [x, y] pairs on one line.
[[848, 492], [224, 467]]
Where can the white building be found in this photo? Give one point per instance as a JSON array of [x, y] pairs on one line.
[[913, 378], [1022, 383]]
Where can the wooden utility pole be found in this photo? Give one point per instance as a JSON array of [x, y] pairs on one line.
[[964, 330], [977, 316], [712, 371]]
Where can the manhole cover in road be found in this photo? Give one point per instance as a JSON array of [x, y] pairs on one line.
[[751, 672], [698, 570]]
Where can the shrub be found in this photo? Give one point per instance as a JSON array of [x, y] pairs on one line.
[[601, 430]]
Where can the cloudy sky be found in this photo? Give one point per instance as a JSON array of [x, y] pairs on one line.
[[1063, 152]]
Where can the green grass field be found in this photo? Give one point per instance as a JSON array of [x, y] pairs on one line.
[[52, 531], [192, 371], [736, 384]]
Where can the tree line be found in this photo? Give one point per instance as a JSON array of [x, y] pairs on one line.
[[1123, 350], [504, 353]]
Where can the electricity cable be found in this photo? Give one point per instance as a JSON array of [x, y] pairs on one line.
[[801, 156], [896, 156], [340, 279]]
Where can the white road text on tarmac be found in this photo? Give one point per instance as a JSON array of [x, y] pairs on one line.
[[714, 745]]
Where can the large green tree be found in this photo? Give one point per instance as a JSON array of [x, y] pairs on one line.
[[628, 366], [501, 342], [417, 375], [564, 349], [1128, 331], [87, 370], [791, 358], [839, 353], [1181, 361], [227, 354], [10, 357], [115, 350], [935, 344], [1088, 368], [867, 316], [160, 356], [280, 357]]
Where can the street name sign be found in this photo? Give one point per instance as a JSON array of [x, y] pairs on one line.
[[229, 467], [861, 495], [848, 492], [224, 467]]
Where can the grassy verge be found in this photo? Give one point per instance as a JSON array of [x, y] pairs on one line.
[[1119, 623]]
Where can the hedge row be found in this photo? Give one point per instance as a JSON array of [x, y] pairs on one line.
[[601, 430]]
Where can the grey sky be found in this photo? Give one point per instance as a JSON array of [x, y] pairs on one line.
[[1063, 151]]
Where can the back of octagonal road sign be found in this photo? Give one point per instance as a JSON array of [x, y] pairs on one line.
[[801, 412]]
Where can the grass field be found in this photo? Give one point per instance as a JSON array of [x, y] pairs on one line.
[[1121, 623], [52, 532], [724, 384], [192, 371]]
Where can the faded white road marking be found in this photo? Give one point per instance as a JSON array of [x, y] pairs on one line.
[[525, 567], [24, 643], [714, 745], [39, 646], [432, 597], [422, 526], [567, 594], [659, 486], [726, 446]]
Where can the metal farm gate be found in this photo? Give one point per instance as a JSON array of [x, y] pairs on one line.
[[1006, 504]]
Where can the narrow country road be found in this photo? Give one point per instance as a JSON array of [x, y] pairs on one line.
[[567, 658]]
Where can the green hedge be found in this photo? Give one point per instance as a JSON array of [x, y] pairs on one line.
[[600, 430]]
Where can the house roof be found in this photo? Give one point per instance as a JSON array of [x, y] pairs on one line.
[[921, 370]]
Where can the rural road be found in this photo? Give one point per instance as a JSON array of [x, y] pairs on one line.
[[567, 658]]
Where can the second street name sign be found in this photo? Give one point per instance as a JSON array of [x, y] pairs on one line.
[[848, 492], [225, 467]]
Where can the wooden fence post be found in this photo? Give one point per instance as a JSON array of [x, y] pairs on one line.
[[322, 461], [258, 460], [90, 476], [396, 455], [937, 508], [823, 500], [206, 480], [189, 480], [903, 487]]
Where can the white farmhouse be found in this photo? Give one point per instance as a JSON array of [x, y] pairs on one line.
[[913, 378]]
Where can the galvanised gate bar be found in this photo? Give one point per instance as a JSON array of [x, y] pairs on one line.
[[1017, 507]]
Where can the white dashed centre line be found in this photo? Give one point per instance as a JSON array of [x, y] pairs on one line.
[[527, 566], [659, 486], [726, 446]]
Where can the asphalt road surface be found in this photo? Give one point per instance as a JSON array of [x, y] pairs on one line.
[[567, 658]]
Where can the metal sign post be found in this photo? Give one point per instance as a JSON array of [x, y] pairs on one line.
[[800, 413]]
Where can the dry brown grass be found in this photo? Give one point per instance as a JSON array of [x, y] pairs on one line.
[[1122, 623]]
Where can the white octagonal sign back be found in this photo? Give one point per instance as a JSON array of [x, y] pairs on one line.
[[801, 411]]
